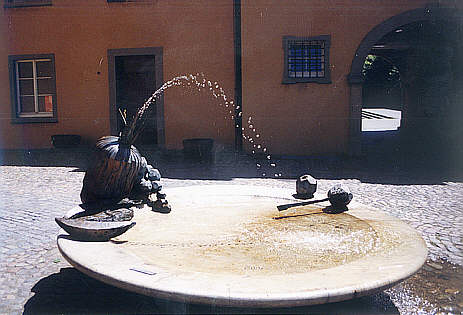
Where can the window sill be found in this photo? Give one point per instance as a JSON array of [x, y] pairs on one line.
[[24, 5], [31, 120], [311, 80]]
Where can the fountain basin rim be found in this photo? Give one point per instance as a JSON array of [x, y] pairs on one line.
[[164, 285]]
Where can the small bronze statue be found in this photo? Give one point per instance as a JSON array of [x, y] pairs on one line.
[[146, 185], [306, 186]]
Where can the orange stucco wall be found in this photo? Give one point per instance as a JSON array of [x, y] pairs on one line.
[[304, 118], [196, 36]]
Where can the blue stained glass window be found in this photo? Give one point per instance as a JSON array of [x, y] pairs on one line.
[[306, 59]]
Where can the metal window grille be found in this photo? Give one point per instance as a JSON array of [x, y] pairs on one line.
[[306, 59]]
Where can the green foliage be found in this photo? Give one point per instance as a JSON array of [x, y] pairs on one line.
[[380, 70]]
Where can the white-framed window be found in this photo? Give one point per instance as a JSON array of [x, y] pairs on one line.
[[33, 88], [306, 59]]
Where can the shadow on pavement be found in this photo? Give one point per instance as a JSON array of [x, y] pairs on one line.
[[377, 166], [77, 157], [72, 292]]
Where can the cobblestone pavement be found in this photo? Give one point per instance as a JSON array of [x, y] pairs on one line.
[[37, 280]]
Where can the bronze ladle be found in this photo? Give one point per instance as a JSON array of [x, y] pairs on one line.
[[339, 196]]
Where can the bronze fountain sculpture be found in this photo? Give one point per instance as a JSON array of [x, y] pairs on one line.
[[119, 177]]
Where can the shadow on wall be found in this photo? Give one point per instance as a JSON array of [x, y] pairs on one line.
[[71, 292]]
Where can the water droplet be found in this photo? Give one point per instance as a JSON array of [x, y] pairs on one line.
[[265, 149], [258, 146], [254, 130], [258, 135], [253, 151], [263, 174], [258, 165], [237, 126], [273, 164], [268, 157], [251, 126]]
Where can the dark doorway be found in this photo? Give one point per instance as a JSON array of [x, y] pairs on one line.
[[134, 75], [135, 82], [420, 57], [382, 97], [421, 51]]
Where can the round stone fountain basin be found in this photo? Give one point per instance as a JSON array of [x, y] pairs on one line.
[[229, 245]]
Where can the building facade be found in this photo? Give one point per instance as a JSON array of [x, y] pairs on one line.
[[286, 75]]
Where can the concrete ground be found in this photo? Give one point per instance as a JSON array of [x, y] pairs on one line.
[[380, 119], [40, 185]]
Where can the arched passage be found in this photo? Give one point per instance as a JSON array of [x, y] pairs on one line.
[[356, 79]]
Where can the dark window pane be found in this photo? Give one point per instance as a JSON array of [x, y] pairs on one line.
[[27, 104], [45, 86], [25, 69], [26, 87], [26, 3], [46, 103], [315, 65], [44, 69], [315, 51]]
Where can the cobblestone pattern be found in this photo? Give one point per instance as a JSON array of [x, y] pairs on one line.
[[30, 198]]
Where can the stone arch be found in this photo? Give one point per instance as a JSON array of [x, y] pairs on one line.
[[355, 77]]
